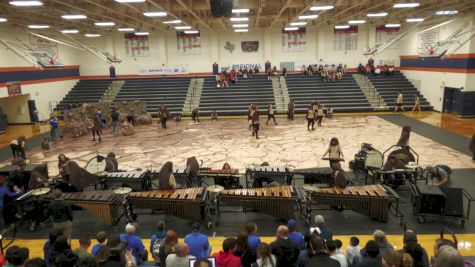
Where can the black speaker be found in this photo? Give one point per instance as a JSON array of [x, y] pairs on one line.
[[227, 8], [31, 110], [216, 8], [3, 121]]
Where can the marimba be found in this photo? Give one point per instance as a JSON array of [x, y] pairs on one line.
[[137, 180], [316, 175], [228, 178], [276, 201], [185, 203], [255, 175], [370, 200], [104, 204]]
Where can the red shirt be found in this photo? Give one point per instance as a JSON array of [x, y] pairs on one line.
[[227, 259]]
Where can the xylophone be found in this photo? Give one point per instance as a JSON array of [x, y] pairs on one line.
[[104, 204], [228, 178], [276, 201], [185, 203], [255, 175], [137, 180], [370, 200], [316, 175]]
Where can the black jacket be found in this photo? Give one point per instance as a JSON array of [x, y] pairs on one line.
[[286, 252], [321, 260], [370, 262]]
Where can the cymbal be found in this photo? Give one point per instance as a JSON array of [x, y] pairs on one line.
[[122, 191], [101, 173], [40, 191], [215, 188], [412, 165]]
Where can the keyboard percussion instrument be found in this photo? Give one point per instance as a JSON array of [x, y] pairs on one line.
[[256, 175], [137, 180]]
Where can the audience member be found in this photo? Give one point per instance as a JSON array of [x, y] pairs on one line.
[[58, 248], [286, 251], [53, 235], [243, 251], [339, 245], [253, 238], [331, 246], [86, 262], [84, 244], [396, 259], [35, 262], [266, 259], [306, 252], [168, 247], [198, 242], [295, 236], [380, 238], [101, 238], [61, 214], [353, 252], [411, 238], [16, 256], [134, 243], [66, 259], [320, 257], [372, 253], [320, 229], [415, 250], [180, 258], [450, 257], [104, 259], [157, 240], [226, 257]]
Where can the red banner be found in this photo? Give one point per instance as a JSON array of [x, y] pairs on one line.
[[351, 29], [383, 28]]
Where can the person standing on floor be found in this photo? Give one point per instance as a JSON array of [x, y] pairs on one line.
[[255, 122], [399, 102], [163, 115], [4, 190], [195, 115], [96, 128], [115, 115], [61, 214], [320, 114], [18, 147], [417, 104], [310, 118], [270, 114], [54, 128], [290, 110]]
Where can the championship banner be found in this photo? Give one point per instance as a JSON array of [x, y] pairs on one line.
[[294, 41], [248, 66], [188, 44], [427, 39], [164, 70], [136, 45], [14, 88], [249, 46]]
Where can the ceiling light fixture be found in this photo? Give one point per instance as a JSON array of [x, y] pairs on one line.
[[291, 28], [392, 25], [239, 19], [3, 20], [105, 23], [126, 29], [360, 21], [240, 10], [240, 25], [78, 16], [321, 8], [183, 27], [446, 12], [155, 14], [406, 5], [380, 14], [38, 26], [92, 35], [415, 20], [301, 23], [176, 21], [142, 33], [341, 27], [192, 32], [308, 17], [70, 31], [241, 30], [26, 3], [130, 1]]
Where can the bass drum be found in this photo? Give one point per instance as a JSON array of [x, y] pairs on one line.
[[96, 165], [403, 155], [374, 160]]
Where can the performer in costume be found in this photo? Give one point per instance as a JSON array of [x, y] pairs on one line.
[[340, 177], [255, 122], [334, 153], [399, 102], [392, 164], [195, 113], [38, 177], [18, 177], [96, 128], [192, 169], [270, 114], [79, 178], [403, 141], [310, 118], [290, 110], [319, 114], [111, 163], [417, 104], [62, 159], [166, 179], [249, 115], [163, 115]]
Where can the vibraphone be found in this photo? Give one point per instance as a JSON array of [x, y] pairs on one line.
[[277, 173], [104, 204], [228, 178], [137, 180], [370, 200], [185, 203], [316, 175], [276, 201]]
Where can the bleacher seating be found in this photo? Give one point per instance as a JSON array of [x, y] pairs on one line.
[[388, 87], [235, 99], [343, 96], [170, 91], [85, 91]]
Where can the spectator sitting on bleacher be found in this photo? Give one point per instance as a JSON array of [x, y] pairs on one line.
[[411, 238], [256, 70], [372, 258], [304, 70], [377, 70], [252, 238], [353, 252], [243, 250], [391, 70], [232, 75], [320, 255], [331, 246], [361, 69]]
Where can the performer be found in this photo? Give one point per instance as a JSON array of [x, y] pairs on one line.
[[417, 104], [334, 153], [399, 101], [195, 115], [4, 190], [392, 164], [18, 147], [226, 166], [111, 163], [290, 110], [214, 115], [255, 122], [439, 175], [166, 179], [249, 115], [340, 177], [270, 114], [403, 141], [96, 128], [18, 177], [319, 114], [79, 178], [192, 170], [62, 159], [310, 118], [163, 115], [38, 177]]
